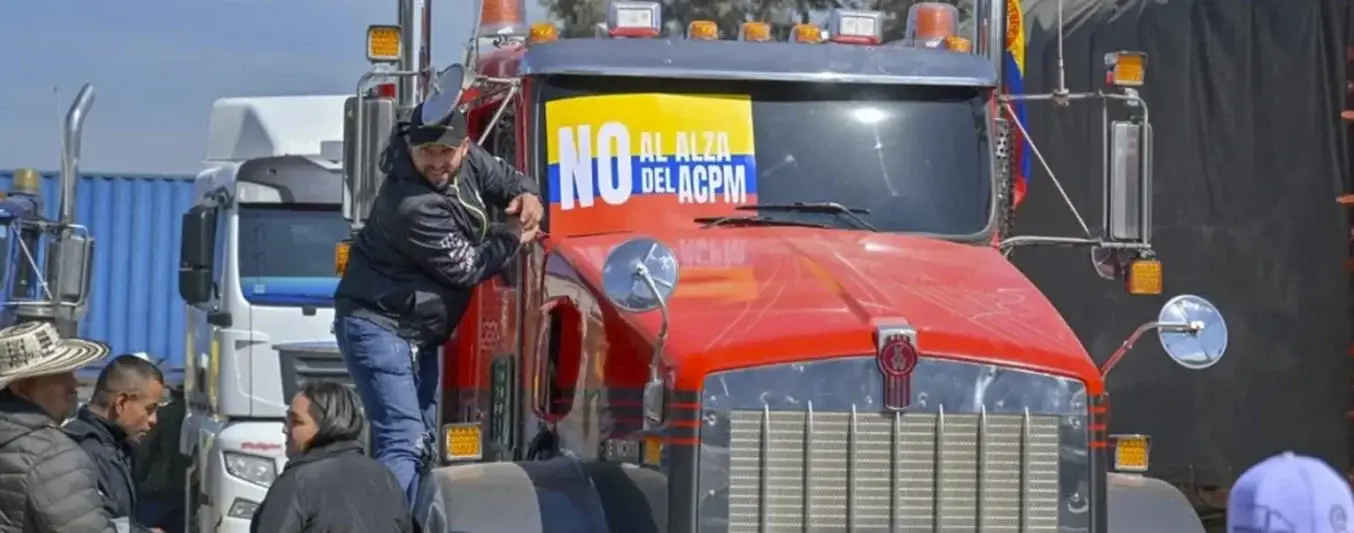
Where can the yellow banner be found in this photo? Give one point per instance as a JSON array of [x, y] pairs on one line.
[[647, 161]]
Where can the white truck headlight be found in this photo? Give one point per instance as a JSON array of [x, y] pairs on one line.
[[252, 468]]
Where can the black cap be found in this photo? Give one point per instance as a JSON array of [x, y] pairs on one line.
[[451, 131]]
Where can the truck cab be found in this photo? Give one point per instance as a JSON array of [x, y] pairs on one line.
[[257, 275], [774, 295]]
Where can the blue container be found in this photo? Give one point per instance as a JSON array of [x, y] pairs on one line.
[[134, 303]]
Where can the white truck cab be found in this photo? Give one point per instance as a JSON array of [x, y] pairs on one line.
[[257, 274]]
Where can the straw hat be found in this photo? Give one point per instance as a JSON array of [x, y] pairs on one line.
[[35, 349]]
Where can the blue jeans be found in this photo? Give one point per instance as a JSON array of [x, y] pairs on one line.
[[398, 385]]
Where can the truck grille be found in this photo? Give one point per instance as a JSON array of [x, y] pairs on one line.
[[846, 471], [299, 366]]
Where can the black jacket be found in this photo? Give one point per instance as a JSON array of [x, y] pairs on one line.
[[107, 446], [47, 484], [422, 250], [161, 471], [334, 488]]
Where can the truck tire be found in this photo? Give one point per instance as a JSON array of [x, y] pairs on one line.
[[1140, 504], [509, 498]]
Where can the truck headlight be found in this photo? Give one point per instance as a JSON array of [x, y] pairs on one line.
[[252, 468]]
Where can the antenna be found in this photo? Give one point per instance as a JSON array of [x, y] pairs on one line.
[[1060, 94]]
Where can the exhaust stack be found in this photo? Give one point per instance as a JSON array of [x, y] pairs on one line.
[[62, 296], [70, 151]]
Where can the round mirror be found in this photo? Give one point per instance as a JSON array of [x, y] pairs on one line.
[[624, 274], [444, 95], [1195, 350]]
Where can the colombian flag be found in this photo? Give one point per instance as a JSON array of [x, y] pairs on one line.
[[1014, 79]]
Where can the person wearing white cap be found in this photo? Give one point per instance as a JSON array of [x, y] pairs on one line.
[[47, 483], [1290, 493]]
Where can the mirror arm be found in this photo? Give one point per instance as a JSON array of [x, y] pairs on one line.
[[655, 389], [1037, 240], [498, 114], [1177, 327]]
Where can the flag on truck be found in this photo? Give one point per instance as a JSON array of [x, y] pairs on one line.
[[1013, 67]]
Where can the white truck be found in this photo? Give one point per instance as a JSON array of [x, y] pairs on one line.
[[257, 273]]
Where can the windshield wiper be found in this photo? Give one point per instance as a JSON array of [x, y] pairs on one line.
[[849, 213], [710, 222]]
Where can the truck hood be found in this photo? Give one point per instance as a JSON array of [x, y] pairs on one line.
[[756, 296]]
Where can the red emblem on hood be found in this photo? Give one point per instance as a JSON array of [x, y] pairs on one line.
[[897, 359]]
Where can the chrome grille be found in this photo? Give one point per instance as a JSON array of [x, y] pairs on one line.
[[299, 366], [848, 471]]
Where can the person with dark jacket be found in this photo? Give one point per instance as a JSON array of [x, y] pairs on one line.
[[329, 484], [162, 470], [47, 483], [427, 242], [123, 409]]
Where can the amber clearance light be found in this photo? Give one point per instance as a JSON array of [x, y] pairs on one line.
[[755, 32], [542, 32], [702, 30], [341, 258], [806, 33], [1144, 277]]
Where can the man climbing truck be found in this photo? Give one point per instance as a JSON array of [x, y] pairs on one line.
[[770, 299]]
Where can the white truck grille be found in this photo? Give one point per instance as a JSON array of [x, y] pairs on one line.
[[806, 471]]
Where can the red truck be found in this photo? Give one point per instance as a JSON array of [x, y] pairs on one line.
[[774, 295]]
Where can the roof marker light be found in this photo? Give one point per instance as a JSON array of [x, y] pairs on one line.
[[1126, 68], [929, 23], [542, 32], [754, 31], [958, 44], [633, 19], [702, 30], [855, 27], [806, 33]]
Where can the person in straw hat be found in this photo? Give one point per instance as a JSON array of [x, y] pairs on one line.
[[47, 483]]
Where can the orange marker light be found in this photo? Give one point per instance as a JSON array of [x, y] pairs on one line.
[[806, 33], [543, 32], [702, 30], [755, 31], [958, 44], [929, 23]]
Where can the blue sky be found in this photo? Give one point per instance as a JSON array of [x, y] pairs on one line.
[[157, 65]]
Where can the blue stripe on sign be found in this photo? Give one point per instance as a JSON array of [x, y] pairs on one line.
[[290, 292], [665, 177]]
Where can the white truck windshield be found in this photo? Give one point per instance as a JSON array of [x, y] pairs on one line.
[[286, 253]]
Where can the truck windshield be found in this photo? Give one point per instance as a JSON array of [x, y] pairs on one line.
[[916, 157], [286, 253]]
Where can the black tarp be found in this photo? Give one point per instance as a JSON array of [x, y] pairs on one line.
[[1250, 157]]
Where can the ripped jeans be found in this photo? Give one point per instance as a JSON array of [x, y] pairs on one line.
[[399, 394]]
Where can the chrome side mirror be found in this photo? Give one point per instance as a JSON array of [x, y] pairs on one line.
[[1202, 343], [639, 276], [1192, 333], [445, 96], [1128, 187]]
